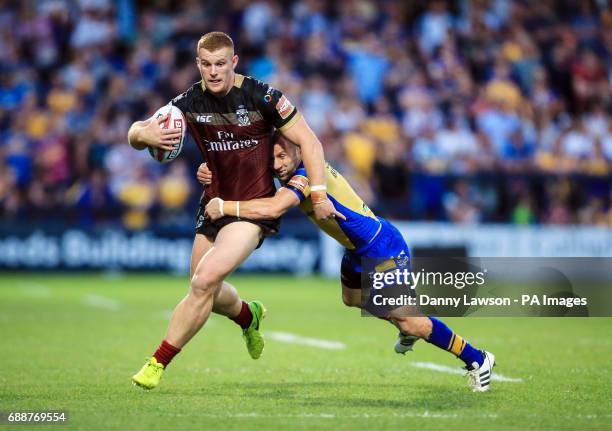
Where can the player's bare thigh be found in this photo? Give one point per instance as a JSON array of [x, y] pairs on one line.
[[234, 243], [201, 245]]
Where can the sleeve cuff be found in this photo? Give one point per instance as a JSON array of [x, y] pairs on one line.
[[291, 122]]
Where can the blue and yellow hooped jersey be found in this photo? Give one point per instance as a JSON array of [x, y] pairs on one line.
[[361, 225]]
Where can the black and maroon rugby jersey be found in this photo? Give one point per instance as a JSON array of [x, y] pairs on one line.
[[234, 134]]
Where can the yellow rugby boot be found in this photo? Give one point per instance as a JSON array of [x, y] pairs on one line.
[[149, 375], [252, 336]]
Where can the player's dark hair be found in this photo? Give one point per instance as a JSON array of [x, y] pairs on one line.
[[278, 138], [215, 40]]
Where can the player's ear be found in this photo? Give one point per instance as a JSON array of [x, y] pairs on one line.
[[234, 61]]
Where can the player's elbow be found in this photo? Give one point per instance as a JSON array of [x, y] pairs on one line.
[[133, 130], [276, 211], [133, 136]]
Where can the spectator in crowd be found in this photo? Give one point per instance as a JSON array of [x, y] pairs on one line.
[[407, 96], [462, 204]]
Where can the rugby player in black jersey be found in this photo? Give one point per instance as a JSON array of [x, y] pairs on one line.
[[231, 118]]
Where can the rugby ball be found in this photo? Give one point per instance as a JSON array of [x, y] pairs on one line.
[[173, 119]]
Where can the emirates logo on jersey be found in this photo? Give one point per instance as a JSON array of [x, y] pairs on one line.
[[227, 142]]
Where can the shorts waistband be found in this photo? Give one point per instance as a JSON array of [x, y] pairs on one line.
[[365, 248]]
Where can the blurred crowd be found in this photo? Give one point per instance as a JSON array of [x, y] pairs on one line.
[[465, 111]]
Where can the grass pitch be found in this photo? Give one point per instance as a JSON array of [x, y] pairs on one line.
[[72, 343]]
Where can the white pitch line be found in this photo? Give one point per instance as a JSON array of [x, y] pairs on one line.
[[425, 414], [97, 301], [286, 337], [450, 370]]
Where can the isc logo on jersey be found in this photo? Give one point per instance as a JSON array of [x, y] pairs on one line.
[[206, 118], [174, 120]]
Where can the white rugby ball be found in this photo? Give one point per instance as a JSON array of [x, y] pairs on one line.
[[174, 119]]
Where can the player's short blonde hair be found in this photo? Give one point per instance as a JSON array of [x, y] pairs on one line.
[[215, 40]]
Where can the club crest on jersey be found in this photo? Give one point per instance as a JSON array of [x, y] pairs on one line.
[[243, 116], [403, 260]]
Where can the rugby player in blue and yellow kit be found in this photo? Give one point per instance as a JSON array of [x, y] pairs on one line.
[[363, 235]]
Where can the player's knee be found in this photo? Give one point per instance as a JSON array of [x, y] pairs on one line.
[[204, 283], [350, 299], [417, 326]]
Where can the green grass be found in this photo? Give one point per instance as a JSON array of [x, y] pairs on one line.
[[59, 353]]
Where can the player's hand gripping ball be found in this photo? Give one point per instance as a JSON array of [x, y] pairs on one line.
[[173, 119]]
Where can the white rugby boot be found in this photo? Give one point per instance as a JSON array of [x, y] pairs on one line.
[[479, 377]]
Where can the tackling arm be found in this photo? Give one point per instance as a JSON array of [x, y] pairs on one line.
[[314, 162], [256, 209], [312, 151], [312, 154]]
